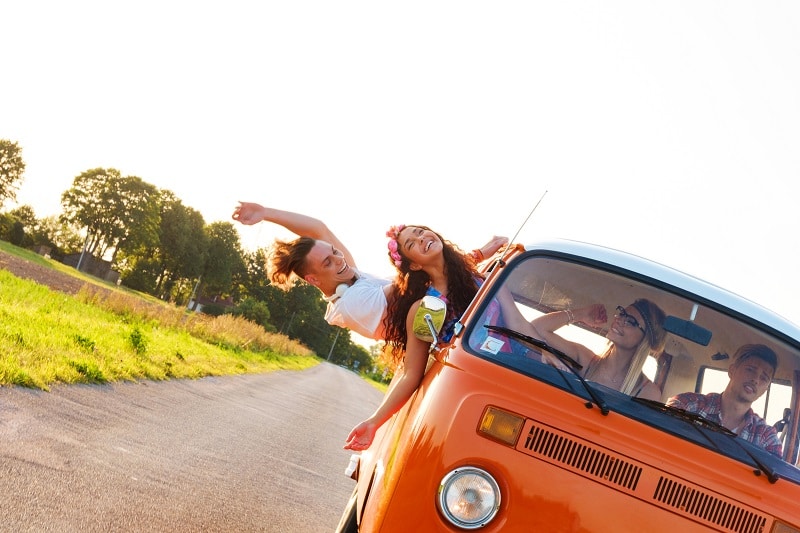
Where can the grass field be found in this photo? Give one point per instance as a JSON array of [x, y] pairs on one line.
[[105, 333]]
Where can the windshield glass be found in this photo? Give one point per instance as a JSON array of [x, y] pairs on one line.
[[633, 336]]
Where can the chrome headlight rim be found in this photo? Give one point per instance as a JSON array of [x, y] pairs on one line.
[[479, 481]]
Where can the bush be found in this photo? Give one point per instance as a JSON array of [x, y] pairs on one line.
[[17, 234], [213, 309], [254, 311]]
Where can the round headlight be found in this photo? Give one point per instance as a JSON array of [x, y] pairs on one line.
[[469, 497]]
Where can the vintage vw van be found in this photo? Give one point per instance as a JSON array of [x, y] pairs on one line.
[[499, 438]]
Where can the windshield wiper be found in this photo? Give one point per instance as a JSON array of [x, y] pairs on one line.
[[698, 422], [570, 363]]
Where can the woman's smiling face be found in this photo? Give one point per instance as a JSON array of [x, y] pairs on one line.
[[625, 332], [418, 244]]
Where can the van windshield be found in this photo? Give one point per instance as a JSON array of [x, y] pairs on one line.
[[639, 337]]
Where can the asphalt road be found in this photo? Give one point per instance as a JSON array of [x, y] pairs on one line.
[[244, 453]]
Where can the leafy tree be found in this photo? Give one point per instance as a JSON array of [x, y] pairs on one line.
[[138, 215], [17, 225], [253, 280], [183, 244], [17, 234], [223, 260], [139, 273], [120, 213], [254, 311], [25, 215], [62, 238], [169, 267], [12, 167]]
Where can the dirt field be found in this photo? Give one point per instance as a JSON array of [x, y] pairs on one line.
[[22, 268]]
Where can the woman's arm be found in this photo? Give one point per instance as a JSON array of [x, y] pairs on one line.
[[546, 326], [416, 358], [490, 248]]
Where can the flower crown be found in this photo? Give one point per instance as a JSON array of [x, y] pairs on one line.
[[393, 234]]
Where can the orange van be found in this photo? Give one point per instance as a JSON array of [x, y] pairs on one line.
[[499, 438]]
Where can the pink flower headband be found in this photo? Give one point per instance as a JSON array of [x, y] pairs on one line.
[[393, 234]]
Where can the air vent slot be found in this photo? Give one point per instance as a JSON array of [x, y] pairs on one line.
[[708, 507], [578, 456]]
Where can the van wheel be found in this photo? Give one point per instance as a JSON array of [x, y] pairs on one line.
[[349, 522]]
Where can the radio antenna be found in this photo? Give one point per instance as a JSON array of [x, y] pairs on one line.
[[508, 246]]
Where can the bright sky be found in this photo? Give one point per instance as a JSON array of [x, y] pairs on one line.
[[667, 129]]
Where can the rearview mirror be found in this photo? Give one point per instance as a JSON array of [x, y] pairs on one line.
[[429, 319], [687, 330]]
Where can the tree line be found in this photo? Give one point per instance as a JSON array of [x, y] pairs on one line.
[[161, 247]]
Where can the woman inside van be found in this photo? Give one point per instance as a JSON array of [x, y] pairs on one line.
[[635, 333]]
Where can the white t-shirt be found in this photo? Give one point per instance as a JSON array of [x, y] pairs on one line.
[[361, 307]]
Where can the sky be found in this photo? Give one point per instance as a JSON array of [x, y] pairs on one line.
[[666, 129]]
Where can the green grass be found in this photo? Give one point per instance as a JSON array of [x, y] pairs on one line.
[[104, 335]]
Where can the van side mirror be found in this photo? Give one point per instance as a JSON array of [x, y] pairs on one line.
[[429, 319]]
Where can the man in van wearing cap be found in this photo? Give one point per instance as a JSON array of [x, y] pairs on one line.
[[750, 374]]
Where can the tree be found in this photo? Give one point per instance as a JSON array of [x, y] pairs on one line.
[[120, 213], [183, 244], [254, 311], [13, 226], [12, 167], [25, 215], [137, 216], [223, 260], [62, 238], [254, 282]]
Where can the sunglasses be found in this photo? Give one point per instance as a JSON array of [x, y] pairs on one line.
[[627, 319]]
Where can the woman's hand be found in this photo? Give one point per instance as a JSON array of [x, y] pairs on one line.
[[360, 438], [491, 247], [592, 315]]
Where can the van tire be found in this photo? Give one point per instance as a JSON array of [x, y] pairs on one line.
[[349, 522]]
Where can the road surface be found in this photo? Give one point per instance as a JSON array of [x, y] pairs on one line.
[[243, 453]]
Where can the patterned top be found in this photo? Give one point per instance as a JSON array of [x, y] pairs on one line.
[[450, 319], [754, 429]]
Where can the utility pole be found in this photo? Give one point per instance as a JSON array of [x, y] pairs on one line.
[[194, 293], [334, 343], [288, 326], [83, 252]]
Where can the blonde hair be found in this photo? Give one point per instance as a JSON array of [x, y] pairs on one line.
[[653, 342]]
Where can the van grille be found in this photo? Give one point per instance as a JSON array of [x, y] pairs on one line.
[[708, 507], [592, 461], [614, 470]]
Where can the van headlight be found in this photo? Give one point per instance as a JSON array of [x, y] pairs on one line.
[[469, 497]]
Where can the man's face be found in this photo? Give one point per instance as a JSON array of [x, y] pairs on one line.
[[750, 379], [326, 267]]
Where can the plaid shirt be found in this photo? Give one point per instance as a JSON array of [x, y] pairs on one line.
[[754, 430]]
